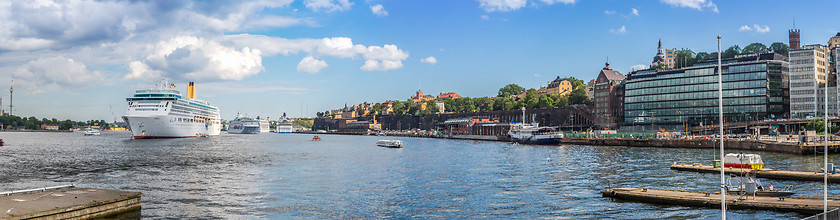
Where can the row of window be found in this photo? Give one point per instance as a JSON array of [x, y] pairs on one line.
[[698, 87], [696, 95], [802, 92], [663, 113], [698, 103], [802, 84], [696, 80]]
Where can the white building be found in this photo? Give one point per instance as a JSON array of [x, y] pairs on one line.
[[808, 69]]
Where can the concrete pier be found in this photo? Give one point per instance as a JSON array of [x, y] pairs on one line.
[[712, 200], [764, 173], [66, 202]]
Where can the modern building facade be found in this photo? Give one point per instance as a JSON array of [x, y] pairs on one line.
[[754, 88], [808, 70], [609, 98]]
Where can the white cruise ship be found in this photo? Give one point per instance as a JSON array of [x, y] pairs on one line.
[[284, 125], [163, 113], [243, 125], [264, 126]]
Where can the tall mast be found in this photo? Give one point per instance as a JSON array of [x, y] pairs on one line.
[[720, 119]]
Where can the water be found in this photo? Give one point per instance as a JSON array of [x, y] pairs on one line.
[[281, 176]]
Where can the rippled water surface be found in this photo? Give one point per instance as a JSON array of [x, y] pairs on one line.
[[289, 176]]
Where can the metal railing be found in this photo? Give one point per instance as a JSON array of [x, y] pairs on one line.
[[35, 190], [831, 214]]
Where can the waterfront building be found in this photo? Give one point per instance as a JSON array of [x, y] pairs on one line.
[[560, 86], [448, 95], [609, 98], [808, 69], [49, 127], [753, 88], [590, 89]]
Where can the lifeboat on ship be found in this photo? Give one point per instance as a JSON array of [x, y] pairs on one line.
[[748, 161]]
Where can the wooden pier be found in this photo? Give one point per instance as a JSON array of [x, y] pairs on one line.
[[712, 200], [66, 202], [763, 173]]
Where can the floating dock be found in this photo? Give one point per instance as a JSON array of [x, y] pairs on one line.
[[712, 200], [66, 202], [763, 173]]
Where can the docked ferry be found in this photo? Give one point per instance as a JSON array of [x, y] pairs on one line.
[[244, 125], [534, 134], [284, 125], [163, 113]]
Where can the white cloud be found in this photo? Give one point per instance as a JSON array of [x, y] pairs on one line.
[[485, 17], [430, 60], [639, 67], [761, 29], [328, 5], [512, 5], [501, 5], [622, 30], [756, 28], [274, 21], [695, 4], [311, 65], [380, 58], [378, 10], [634, 11], [193, 58], [52, 73], [551, 2], [609, 12]]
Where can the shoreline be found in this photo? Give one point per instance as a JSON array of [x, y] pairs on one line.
[[738, 144]]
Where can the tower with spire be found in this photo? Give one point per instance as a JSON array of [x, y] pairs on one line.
[[660, 57], [793, 37]]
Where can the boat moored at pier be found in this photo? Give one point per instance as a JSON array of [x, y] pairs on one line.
[[534, 134], [163, 113]]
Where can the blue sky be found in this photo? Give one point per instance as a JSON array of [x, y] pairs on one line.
[[80, 59]]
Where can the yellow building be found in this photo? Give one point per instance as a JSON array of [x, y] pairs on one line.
[[671, 58], [557, 87]]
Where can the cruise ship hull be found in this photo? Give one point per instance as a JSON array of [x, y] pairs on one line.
[[244, 130], [162, 126]]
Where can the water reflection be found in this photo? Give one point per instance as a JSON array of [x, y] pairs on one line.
[[288, 176]]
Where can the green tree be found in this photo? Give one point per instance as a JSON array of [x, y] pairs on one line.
[[510, 89], [65, 125], [731, 51], [545, 101], [499, 103], [685, 58], [377, 109], [561, 101], [815, 124], [578, 96], [780, 48], [702, 56], [659, 66], [399, 107], [431, 107], [576, 83], [754, 48]]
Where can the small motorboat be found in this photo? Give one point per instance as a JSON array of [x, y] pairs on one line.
[[316, 138], [389, 143], [745, 185], [2, 143], [91, 132]]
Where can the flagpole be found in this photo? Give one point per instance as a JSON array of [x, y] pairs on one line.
[[720, 119], [825, 151]]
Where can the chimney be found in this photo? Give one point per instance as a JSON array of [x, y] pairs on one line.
[[191, 90]]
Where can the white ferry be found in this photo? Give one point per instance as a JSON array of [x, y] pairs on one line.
[[163, 113], [389, 143], [534, 134], [243, 125], [530, 134]]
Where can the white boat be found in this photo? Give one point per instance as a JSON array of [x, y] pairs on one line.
[[243, 125], [91, 132], [534, 134], [264, 125], [389, 143], [163, 113]]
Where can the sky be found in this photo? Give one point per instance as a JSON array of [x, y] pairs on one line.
[[80, 59]]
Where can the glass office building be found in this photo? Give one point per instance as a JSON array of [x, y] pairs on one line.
[[755, 87]]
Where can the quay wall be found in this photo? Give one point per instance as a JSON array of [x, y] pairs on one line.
[[745, 144]]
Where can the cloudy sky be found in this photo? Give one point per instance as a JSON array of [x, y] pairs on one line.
[[79, 59]]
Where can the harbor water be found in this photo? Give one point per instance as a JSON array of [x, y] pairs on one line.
[[282, 176]]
